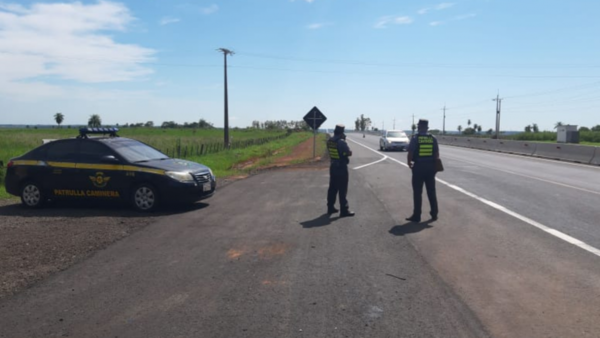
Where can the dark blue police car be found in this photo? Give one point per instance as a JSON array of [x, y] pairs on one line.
[[108, 167]]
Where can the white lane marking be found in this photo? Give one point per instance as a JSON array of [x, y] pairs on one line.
[[368, 164], [527, 157], [523, 175], [551, 231]]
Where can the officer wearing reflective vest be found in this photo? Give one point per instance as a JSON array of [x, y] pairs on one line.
[[338, 172], [423, 152]]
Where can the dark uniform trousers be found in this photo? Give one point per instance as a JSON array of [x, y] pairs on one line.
[[338, 183], [424, 172]]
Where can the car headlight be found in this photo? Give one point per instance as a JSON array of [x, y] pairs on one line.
[[211, 173], [183, 177]]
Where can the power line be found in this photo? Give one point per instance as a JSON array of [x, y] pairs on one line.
[[432, 65], [146, 62], [553, 91]]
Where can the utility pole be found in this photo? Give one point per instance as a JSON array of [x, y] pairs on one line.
[[226, 127], [498, 108], [444, 125], [412, 126]]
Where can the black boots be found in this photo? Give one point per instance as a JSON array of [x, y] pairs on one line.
[[414, 218], [346, 213]]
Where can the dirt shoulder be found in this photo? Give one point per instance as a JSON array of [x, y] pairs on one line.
[[35, 244]]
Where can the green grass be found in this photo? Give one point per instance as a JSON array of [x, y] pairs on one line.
[[16, 142], [224, 163]]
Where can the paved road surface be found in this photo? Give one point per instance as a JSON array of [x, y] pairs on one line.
[[263, 261]]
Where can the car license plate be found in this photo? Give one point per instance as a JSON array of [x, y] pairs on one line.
[[206, 187]]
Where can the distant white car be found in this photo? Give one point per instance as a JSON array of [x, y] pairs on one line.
[[393, 139]]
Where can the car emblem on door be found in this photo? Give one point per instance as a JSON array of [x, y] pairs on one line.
[[100, 181]]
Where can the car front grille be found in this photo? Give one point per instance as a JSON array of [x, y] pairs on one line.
[[202, 177]]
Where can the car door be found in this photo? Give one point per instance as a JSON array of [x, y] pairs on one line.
[[60, 170], [101, 171]]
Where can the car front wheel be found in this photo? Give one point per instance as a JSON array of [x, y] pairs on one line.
[[32, 195], [145, 198]]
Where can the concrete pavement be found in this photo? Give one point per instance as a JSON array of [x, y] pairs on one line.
[[261, 261], [520, 281]]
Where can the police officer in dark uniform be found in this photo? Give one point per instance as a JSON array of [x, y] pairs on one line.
[[423, 152], [338, 172]]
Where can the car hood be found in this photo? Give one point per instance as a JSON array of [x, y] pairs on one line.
[[397, 139], [175, 164]]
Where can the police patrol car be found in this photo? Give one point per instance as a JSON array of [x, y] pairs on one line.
[[106, 167]]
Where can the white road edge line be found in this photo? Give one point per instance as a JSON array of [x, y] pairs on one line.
[[526, 176], [553, 232], [368, 164]]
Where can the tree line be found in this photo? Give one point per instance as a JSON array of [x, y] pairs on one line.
[[476, 129]]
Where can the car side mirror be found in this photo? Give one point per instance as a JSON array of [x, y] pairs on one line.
[[109, 159]]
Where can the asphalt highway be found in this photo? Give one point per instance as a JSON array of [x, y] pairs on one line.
[[514, 254]]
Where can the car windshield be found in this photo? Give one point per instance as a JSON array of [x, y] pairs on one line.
[[396, 134], [135, 151]]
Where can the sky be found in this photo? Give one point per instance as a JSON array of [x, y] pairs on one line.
[[157, 60]]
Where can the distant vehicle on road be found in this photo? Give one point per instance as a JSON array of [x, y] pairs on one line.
[[393, 140], [106, 168]]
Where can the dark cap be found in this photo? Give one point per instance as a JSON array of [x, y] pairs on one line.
[[339, 129], [423, 123]]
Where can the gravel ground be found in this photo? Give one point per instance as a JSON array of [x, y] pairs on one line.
[[37, 243]]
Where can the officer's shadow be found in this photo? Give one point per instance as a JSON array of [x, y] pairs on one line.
[[320, 221], [410, 228]]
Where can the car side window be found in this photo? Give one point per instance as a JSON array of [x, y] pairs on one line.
[[62, 151], [92, 152]]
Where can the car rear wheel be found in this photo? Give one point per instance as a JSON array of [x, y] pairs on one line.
[[144, 198], [32, 195]]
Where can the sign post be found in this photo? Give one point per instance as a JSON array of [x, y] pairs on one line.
[[314, 118]]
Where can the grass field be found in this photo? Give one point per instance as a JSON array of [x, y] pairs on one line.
[[15, 142], [590, 138], [224, 163]]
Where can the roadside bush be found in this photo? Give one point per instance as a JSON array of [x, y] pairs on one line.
[[584, 136], [541, 136], [589, 136]]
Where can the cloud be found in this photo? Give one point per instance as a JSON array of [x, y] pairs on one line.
[[68, 41], [456, 18], [209, 10], [168, 20], [383, 22], [438, 7], [190, 8], [318, 25], [463, 17]]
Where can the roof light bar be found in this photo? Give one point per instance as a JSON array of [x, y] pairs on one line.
[[84, 132]]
